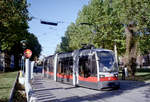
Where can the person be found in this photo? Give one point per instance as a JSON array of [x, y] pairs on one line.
[[123, 73], [126, 71], [35, 68]]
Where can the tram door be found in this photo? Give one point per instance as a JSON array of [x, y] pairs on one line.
[[65, 70], [88, 71], [45, 68]]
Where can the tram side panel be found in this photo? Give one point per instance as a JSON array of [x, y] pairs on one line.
[[65, 70], [88, 72], [45, 68], [49, 67]]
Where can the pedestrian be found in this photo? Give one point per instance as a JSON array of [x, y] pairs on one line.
[[126, 71], [123, 73], [35, 67]]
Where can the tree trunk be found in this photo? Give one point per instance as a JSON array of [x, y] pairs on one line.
[[7, 62], [148, 60], [131, 50], [17, 57]]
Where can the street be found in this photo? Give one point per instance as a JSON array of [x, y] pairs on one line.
[[45, 90]]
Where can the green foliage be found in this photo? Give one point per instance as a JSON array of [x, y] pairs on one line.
[[14, 27], [33, 44], [144, 43], [109, 18], [103, 20], [13, 22], [7, 80]]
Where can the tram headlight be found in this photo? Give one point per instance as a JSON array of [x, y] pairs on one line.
[[116, 75], [102, 76]]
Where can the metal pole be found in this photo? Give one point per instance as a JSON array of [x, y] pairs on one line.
[[55, 67], [32, 67], [116, 56], [27, 77], [27, 74], [23, 70]]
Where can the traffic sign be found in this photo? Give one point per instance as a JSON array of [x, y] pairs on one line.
[[27, 53]]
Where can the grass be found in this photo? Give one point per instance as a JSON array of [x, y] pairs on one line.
[[6, 83], [143, 75], [19, 94], [140, 75]]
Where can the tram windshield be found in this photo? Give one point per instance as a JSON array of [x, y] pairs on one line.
[[107, 61]]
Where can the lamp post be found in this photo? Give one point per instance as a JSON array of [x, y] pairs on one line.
[[115, 50], [23, 42]]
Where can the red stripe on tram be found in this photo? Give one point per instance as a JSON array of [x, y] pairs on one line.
[[108, 78], [50, 73], [64, 76], [89, 79]]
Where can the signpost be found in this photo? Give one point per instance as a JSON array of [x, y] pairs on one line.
[[28, 88], [27, 53]]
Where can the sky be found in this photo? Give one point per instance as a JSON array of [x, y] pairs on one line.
[[62, 11]]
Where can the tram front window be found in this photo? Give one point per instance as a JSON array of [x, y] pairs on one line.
[[106, 61]]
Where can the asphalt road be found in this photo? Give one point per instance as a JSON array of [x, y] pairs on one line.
[[45, 90]]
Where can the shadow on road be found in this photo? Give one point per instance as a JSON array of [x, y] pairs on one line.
[[125, 87]]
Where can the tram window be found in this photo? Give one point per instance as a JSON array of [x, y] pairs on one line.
[[45, 65], [62, 66], [70, 65], [51, 65], [59, 67], [84, 70], [65, 65]]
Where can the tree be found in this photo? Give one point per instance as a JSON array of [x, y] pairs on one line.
[[108, 32], [135, 16], [121, 22], [14, 28], [34, 45]]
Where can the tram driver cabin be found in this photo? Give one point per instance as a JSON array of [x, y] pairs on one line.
[[92, 68]]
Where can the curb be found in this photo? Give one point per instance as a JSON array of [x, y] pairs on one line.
[[13, 88]]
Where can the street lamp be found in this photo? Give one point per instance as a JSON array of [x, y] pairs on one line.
[[23, 42]]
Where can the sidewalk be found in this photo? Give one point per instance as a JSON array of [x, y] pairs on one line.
[[45, 90], [50, 91]]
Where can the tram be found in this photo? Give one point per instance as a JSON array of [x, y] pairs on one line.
[[91, 68]]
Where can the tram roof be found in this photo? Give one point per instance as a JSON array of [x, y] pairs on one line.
[[100, 49], [49, 56], [69, 54]]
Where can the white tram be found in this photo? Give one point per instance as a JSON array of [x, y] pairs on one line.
[[92, 68]]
